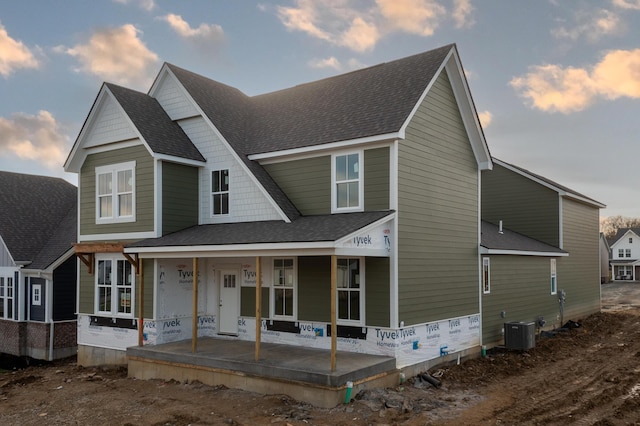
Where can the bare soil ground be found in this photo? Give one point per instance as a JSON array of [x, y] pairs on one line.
[[587, 375]]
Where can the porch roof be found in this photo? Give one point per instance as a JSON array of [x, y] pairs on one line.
[[623, 261], [305, 229]]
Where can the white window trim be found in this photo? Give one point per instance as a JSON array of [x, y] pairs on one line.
[[114, 288], [211, 192], [113, 169], [362, 295], [334, 199], [486, 289], [7, 300], [36, 294], [274, 287], [554, 276]]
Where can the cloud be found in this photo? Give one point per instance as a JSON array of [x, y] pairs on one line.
[[592, 25], [147, 5], [331, 62], [462, 13], [117, 55], [34, 137], [343, 23], [412, 16], [14, 55], [627, 4], [205, 35], [553, 88], [485, 118]]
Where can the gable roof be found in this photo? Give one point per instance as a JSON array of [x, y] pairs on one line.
[[562, 190], [621, 232], [35, 209], [508, 242]]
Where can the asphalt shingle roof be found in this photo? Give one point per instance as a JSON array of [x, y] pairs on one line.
[[163, 135], [304, 229], [491, 238], [34, 210]]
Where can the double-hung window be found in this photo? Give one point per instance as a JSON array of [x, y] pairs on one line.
[[115, 193], [620, 252], [219, 192], [284, 288], [486, 275], [6, 297], [627, 253], [554, 278], [347, 176], [349, 287], [114, 285]]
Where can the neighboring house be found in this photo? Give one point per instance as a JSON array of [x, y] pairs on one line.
[[625, 254], [552, 274], [37, 266], [605, 260], [376, 172]]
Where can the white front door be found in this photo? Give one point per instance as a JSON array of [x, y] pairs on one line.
[[229, 301]]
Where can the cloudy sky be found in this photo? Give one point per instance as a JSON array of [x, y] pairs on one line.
[[556, 82]]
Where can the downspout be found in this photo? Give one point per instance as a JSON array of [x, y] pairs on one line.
[[49, 310]]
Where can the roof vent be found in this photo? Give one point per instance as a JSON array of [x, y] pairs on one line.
[[500, 228]]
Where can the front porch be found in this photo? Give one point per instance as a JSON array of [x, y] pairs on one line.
[[302, 373]]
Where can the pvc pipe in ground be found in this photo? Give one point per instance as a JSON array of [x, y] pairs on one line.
[[347, 396]]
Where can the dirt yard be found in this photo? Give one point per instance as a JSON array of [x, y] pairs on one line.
[[587, 375]]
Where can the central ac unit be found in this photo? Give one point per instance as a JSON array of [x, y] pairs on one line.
[[519, 336]]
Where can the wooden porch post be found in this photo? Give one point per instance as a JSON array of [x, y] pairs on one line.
[[140, 274], [258, 307], [194, 321], [334, 325]]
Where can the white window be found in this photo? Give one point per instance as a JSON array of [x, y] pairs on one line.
[[486, 275], [627, 253], [114, 288], [349, 286], [554, 278], [630, 240], [284, 288], [115, 193], [6, 298], [620, 252], [36, 295], [347, 176], [219, 192]]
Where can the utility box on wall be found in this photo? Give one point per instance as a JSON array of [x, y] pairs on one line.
[[519, 336]]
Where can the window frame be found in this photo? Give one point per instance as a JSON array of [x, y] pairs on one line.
[[620, 253], [7, 298], [335, 182], [220, 192], [113, 171], [360, 290], [115, 287], [486, 275], [627, 253], [36, 294], [275, 287], [553, 276]]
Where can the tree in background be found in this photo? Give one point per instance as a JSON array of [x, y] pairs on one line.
[[609, 225]]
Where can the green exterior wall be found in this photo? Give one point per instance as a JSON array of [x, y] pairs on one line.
[[376, 179], [523, 205], [521, 288], [179, 197], [87, 290], [248, 302], [438, 219], [145, 189], [306, 182], [377, 291], [314, 288], [579, 273]]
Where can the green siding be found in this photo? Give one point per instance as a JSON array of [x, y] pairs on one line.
[[314, 288], [179, 197], [377, 291], [376, 179], [524, 206], [437, 213], [579, 274], [148, 266], [521, 288], [248, 302], [87, 290], [144, 191], [306, 182]]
